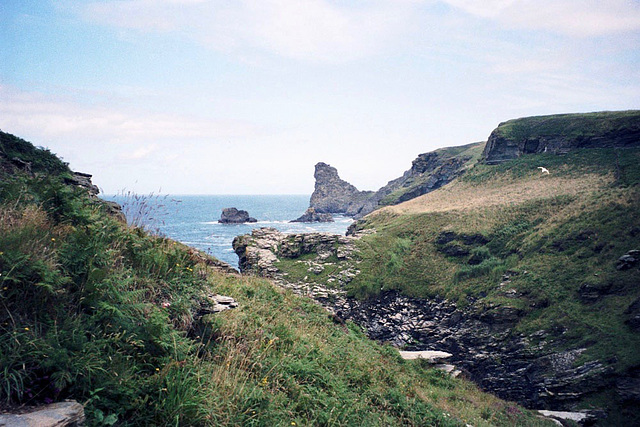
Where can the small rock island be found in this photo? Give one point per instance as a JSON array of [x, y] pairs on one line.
[[311, 215], [235, 216]]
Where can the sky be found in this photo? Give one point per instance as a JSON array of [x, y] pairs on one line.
[[246, 96]]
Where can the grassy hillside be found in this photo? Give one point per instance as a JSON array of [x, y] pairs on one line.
[[557, 237], [572, 126], [94, 310]]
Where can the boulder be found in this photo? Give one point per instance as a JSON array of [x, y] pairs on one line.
[[235, 216], [61, 414], [628, 260], [311, 215]]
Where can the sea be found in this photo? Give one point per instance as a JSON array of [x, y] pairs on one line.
[[193, 220]]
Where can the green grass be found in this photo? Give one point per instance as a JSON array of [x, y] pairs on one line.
[[94, 310], [550, 243], [569, 125]]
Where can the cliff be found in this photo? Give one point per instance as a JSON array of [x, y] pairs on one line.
[[529, 280], [561, 133], [428, 172]]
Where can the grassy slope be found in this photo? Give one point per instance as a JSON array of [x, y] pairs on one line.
[[570, 125], [554, 233], [106, 314]]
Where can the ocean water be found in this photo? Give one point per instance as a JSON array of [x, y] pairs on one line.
[[193, 220]]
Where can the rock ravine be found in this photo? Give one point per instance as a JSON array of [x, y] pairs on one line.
[[479, 341]]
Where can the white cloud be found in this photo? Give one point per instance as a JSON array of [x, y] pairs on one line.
[[56, 117], [313, 30], [579, 18]]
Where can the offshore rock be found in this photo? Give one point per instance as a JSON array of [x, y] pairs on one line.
[[235, 216], [311, 215]]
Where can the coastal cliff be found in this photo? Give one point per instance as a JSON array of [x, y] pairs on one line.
[[528, 279], [428, 172], [561, 133]]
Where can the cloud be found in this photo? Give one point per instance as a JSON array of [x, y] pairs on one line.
[[576, 18], [139, 153], [310, 30], [57, 117]]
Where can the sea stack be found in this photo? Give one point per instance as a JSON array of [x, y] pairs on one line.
[[235, 216]]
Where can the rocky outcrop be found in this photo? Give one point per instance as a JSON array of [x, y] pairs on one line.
[[559, 134], [235, 216], [332, 194], [480, 337], [61, 414], [83, 180], [311, 215], [428, 172]]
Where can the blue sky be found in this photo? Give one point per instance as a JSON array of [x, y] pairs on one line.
[[244, 97]]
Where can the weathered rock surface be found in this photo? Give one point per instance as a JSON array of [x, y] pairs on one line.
[[311, 215], [432, 356], [628, 260], [332, 194], [562, 133], [428, 172], [61, 414], [235, 216], [83, 180]]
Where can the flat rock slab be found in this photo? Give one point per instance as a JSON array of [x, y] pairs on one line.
[[561, 415], [61, 414], [432, 356]]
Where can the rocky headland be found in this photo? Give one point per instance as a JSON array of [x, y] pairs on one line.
[[428, 172]]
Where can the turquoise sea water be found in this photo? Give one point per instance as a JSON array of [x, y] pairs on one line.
[[193, 220]]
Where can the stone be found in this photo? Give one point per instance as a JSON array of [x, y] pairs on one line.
[[61, 414], [218, 303], [235, 216], [628, 260], [633, 312], [431, 356], [578, 417]]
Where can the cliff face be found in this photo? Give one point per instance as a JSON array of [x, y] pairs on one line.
[[332, 194], [559, 134], [428, 172]]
